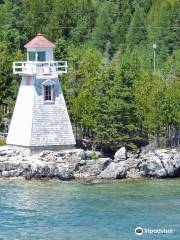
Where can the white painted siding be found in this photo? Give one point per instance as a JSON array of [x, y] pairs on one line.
[[21, 123]]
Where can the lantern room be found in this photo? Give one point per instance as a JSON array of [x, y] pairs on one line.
[[40, 60], [40, 49]]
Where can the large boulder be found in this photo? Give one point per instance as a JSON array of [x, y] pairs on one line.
[[8, 151], [160, 163], [75, 158], [11, 173], [152, 168], [170, 159], [63, 172], [114, 170], [120, 155], [8, 165], [133, 170], [89, 168], [25, 170]]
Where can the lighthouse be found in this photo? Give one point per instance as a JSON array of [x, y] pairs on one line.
[[40, 119]]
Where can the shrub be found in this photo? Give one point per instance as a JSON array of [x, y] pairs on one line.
[[94, 155], [2, 142]]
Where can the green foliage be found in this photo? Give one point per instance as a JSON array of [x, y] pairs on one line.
[[137, 32], [60, 51], [84, 104], [94, 155], [120, 28], [2, 142], [101, 34]]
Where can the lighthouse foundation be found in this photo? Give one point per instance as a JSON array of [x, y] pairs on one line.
[[27, 151]]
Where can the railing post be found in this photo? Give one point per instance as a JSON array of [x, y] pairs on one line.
[[13, 67], [66, 66]]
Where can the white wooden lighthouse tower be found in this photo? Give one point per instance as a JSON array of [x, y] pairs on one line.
[[40, 119]]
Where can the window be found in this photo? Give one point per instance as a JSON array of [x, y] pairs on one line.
[[32, 56], [49, 93], [41, 56], [49, 90]]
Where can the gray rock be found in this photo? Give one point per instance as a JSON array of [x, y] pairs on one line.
[[8, 151], [160, 163], [11, 173], [114, 170], [134, 173], [25, 170], [42, 171], [171, 163], [63, 172], [8, 165], [87, 168], [75, 158], [152, 168], [120, 155], [77, 163]]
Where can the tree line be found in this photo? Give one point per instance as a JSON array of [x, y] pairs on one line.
[[114, 97]]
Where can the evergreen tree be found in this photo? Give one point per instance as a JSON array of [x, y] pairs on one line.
[[102, 32], [120, 28], [61, 49], [62, 19], [116, 121], [85, 23], [83, 102], [137, 33]]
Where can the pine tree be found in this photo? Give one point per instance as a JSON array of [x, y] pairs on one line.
[[83, 103], [84, 23], [101, 34], [116, 120], [164, 27], [137, 33], [120, 27], [142, 88]]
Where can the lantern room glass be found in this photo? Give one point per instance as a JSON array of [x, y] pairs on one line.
[[37, 56], [41, 56], [32, 56]]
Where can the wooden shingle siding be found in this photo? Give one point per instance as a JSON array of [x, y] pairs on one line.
[[51, 124]]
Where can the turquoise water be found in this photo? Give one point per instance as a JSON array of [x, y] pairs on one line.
[[34, 210]]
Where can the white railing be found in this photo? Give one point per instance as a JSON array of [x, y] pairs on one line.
[[40, 68]]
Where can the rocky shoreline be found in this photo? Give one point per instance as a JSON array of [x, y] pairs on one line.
[[77, 164]]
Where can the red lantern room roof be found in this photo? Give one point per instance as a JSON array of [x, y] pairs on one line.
[[39, 42]]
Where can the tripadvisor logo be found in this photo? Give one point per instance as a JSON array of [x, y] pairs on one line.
[[139, 231]]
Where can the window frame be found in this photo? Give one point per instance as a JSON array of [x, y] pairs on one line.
[[30, 58], [44, 56], [49, 94]]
